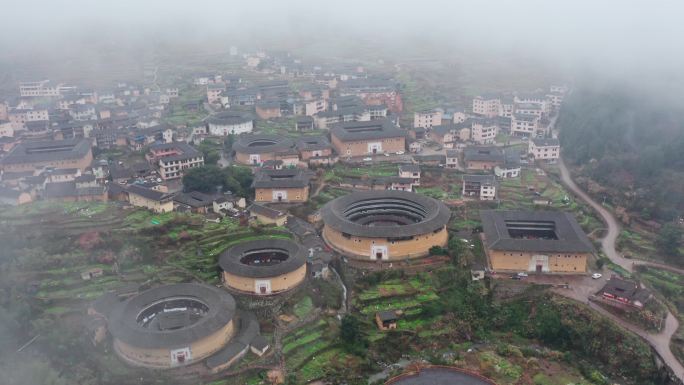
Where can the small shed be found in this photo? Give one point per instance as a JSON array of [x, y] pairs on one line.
[[386, 320]]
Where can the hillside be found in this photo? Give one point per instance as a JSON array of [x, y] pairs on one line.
[[630, 142]]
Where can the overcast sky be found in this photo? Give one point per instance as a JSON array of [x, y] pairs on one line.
[[612, 35]]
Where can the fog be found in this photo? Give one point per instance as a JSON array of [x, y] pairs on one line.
[[623, 39]]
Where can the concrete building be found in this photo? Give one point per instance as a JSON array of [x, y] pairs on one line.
[[482, 187], [483, 131], [367, 138], [172, 159], [545, 149], [524, 125], [266, 215], [487, 105], [6, 129], [427, 119], [535, 241], [384, 225], [263, 267], [286, 185], [410, 171]]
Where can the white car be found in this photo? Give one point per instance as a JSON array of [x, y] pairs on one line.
[[399, 152], [387, 154], [596, 275], [368, 159], [522, 274]]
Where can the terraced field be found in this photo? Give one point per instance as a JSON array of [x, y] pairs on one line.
[[309, 350]]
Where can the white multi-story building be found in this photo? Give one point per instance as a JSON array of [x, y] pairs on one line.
[[547, 149], [6, 128], [427, 119], [483, 131], [172, 159], [524, 125], [487, 105]]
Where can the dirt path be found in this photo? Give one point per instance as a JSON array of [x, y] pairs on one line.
[[660, 341]]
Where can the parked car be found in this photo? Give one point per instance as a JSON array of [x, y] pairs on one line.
[[522, 274], [368, 159], [596, 275], [515, 277], [399, 152], [387, 154]]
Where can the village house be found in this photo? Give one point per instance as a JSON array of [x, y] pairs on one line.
[[172, 159], [194, 202], [451, 159], [267, 216], [524, 125], [73, 192], [316, 150], [386, 320], [487, 105], [374, 91], [546, 149], [510, 167], [14, 197], [624, 292], [411, 171], [445, 135], [367, 138], [227, 202], [268, 109], [482, 157], [214, 92], [304, 123], [427, 119], [483, 130], [482, 187], [287, 185], [535, 241], [6, 129], [149, 198]]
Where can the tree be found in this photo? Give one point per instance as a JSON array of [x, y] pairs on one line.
[[668, 239], [208, 179], [351, 336]]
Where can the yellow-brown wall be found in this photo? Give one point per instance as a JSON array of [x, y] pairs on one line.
[[243, 157], [517, 261], [360, 247], [156, 206], [278, 284], [161, 358], [293, 194], [360, 148], [80, 164], [480, 165]]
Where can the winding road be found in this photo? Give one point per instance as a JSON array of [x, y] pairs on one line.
[[659, 341]]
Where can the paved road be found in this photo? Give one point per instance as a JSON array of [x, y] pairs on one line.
[[660, 341]]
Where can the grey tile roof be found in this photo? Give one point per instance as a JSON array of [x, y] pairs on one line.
[[374, 129], [48, 151], [545, 142], [148, 193], [286, 178], [571, 238], [483, 154], [264, 211], [124, 326], [230, 259], [313, 142]]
